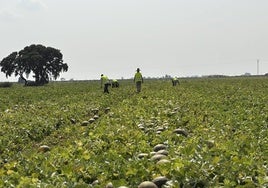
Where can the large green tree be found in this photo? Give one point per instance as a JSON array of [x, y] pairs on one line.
[[43, 62]]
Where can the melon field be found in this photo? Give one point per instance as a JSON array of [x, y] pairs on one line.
[[204, 132]]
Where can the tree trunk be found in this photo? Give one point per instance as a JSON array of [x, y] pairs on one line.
[[25, 81]]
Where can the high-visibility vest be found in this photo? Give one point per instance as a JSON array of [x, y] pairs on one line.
[[104, 79], [138, 77]]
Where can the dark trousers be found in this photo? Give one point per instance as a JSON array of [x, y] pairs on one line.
[[106, 86], [138, 86], [175, 82]]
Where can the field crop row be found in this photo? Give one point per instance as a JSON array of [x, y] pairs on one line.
[[213, 133]]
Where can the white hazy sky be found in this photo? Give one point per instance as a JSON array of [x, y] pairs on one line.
[[114, 37]]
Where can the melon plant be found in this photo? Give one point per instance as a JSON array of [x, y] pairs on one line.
[[203, 133]]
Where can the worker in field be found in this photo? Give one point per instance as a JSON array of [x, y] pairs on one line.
[[105, 82], [138, 79], [175, 81], [115, 83]]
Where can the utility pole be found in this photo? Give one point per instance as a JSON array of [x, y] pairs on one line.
[[258, 62]]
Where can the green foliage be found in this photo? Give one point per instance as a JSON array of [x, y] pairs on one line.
[[226, 146], [42, 61]]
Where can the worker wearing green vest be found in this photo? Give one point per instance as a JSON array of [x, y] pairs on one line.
[[105, 81], [115, 83], [138, 79], [175, 81]]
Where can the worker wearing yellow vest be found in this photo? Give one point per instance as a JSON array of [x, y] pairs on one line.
[[115, 83], [175, 81], [105, 81], [138, 79]]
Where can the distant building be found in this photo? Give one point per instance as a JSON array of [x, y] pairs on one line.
[[247, 74], [21, 80]]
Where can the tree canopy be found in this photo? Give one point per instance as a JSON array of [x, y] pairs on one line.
[[43, 62]]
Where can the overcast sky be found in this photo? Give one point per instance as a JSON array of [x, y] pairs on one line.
[[115, 37]]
